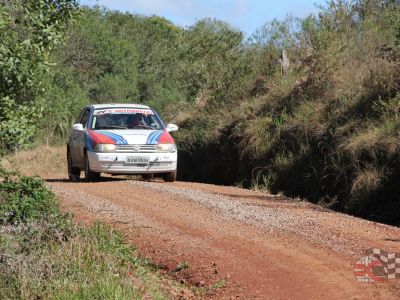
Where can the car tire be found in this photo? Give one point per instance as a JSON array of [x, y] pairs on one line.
[[170, 177], [89, 174], [147, 177], [73, 173]]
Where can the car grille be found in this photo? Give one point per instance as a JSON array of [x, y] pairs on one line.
[[137, 148]]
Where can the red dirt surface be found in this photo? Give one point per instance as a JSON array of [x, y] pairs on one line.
[[228, 257]]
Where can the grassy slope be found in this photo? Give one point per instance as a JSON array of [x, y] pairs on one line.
[[327, 130]]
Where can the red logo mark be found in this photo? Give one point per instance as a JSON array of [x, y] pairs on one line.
[[369, 269]]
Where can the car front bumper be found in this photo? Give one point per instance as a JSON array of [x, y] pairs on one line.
[[116, 163]]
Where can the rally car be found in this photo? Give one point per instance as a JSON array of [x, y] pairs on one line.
[[121, 139]]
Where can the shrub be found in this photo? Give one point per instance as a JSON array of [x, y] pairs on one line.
[[24, 199]]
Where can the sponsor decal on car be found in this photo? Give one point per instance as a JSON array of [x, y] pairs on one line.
[[123, 111], [118, 139], [103, 137], [160, 137]]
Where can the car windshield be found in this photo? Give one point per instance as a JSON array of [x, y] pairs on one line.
[[125, 118]]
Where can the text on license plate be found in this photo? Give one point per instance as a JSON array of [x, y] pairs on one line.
[[137, 159]]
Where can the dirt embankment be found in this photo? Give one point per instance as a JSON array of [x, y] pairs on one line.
[[232, 242]]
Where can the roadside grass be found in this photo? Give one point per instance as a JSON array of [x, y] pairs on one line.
[[45, 254], [219, 284], [327, 131], [44, 161], [211, 289], [181, 266]]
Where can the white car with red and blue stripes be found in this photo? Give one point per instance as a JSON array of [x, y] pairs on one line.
[[121, 139]]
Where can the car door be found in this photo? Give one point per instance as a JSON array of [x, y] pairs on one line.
[[81, 137], [78, 139], [72, 141]]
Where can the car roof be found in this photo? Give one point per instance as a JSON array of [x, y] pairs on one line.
[[118, 105]]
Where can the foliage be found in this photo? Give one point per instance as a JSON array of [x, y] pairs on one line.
[[23, 198], [116, 57], [44, 254], [327, 130], [29, 30]]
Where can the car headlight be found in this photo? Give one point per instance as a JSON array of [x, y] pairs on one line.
[[106, 148], [166, 147]]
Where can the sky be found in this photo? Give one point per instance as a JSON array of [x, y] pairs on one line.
[[245, 15]]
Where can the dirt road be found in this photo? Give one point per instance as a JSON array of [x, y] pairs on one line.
[[235, 242]]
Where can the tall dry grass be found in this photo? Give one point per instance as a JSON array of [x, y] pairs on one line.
[[44, 161]]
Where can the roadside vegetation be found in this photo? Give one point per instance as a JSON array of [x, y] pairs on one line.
[[326, 128], [307, 107], [44, 254]]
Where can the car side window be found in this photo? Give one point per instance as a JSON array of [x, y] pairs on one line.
[[78, 119], [85, 118]]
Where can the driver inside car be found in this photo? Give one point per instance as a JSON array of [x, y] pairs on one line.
[[135, 120]]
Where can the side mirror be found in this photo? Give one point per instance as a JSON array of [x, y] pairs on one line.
[[172, 127], [77, 126]]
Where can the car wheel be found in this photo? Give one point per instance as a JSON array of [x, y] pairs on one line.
[[147, 177], [89, 174], [170, 177], [73, 173]]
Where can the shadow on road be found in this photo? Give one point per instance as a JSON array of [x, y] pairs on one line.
[[102, 179]]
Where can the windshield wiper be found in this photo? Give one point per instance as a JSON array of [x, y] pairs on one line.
[[112, 127], [143, 126]]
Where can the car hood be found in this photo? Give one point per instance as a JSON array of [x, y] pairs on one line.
[[130, 136]]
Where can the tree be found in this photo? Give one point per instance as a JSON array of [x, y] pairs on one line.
[[213, 51], [29, 31]]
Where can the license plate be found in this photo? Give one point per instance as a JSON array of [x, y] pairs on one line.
[[137, 159]]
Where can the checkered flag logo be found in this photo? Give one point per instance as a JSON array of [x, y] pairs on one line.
[[365, 270], [389, 261], [377, 266]]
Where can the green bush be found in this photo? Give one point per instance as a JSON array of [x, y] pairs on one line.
[[29, 31], [24, 199]]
